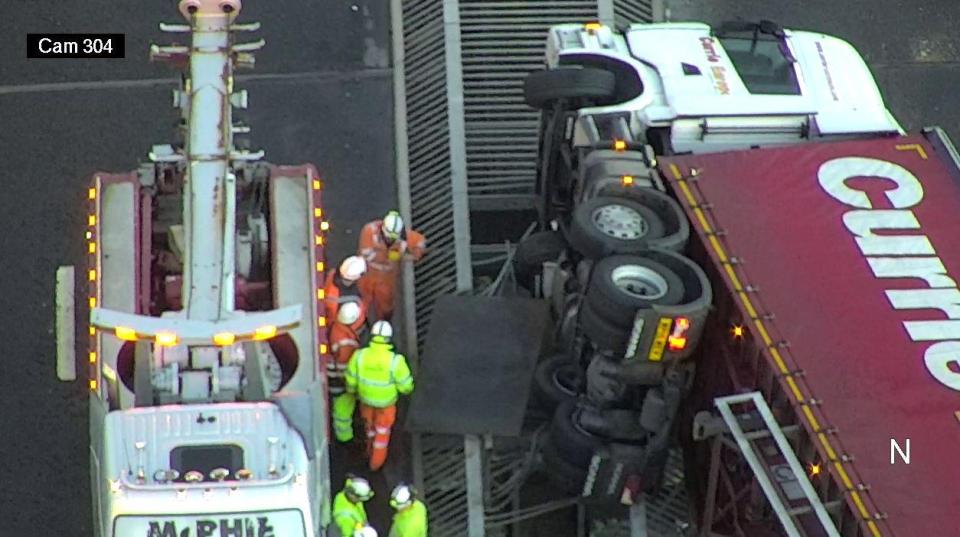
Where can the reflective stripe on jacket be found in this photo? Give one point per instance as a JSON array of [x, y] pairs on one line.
[[386, 258], [336, 292], [346, 515], [377, 374]]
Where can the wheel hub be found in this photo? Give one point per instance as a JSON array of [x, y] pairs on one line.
[[640, 282], [620, 222]]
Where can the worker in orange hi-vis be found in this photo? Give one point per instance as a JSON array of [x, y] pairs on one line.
[[344, 338], [378, 375], [383, 243], [343, 285]]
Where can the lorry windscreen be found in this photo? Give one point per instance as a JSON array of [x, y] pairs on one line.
[[279, 523], [763, 64]]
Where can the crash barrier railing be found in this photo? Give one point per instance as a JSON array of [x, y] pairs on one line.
[[465, 139]]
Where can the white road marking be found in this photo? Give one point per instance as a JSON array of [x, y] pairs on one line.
[[66, 325], [306, 76]]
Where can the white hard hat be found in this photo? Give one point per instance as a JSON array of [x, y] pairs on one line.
[[392, 225], [348, 312], [382, 329], [401, 497], [353, 268], [359, 487], [365, 531]]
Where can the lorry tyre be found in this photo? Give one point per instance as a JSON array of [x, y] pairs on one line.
[[606, 225], [532, 252], [604, 335], [622, 284], [567, 477], [573, 443], [557, 379], [542, 88]]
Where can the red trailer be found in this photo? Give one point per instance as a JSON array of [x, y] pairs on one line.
[[836, 328]]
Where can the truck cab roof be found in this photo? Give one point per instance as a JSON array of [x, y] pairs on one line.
[[690, 70]]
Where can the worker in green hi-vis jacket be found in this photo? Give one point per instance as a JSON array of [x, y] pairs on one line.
[[410, 519]]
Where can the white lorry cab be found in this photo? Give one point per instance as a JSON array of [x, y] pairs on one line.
[[208, 404], [686, 87]]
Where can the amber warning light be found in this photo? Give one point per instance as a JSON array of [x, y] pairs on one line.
[[677, 340]]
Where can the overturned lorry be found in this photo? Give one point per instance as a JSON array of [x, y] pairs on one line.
[[659, 282], [208, 405]]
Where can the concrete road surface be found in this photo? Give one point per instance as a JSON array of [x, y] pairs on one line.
[[912, 47], [330, 103]]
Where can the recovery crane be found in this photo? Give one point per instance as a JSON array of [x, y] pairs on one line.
[[208, 405]]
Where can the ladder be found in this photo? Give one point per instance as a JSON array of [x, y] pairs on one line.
[[759, 461]]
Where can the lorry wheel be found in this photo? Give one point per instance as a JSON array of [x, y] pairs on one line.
[[542, 88], [567, 477], [532, 252], [557, 379], [605, 225], [573, 443], [622, 284], [604, 335]]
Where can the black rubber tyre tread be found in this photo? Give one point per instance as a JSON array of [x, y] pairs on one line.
[[604, 335], [618, 307], [547, 394], [571, 444], [567, 477], [542, 88], [586, 238], [533, 251]]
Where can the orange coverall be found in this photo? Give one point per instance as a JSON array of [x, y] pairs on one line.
[[336, 292], [383, 264], [344, 339]]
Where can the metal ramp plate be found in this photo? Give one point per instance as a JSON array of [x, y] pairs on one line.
[[477, 365]]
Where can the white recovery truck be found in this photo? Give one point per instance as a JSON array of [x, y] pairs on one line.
[[208, 405]]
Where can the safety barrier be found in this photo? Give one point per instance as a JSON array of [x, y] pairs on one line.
[[466, 141]]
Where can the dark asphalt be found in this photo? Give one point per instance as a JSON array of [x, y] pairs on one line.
[[334, 108]]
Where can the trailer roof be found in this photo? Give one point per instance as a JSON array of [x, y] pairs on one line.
[[854, 248]]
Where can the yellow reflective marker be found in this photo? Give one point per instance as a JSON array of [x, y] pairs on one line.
[[125, 333], [92, 193], [224, 338], [93, 357], [265, 332], [92, 247], [167, 339], [92, 275]]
